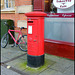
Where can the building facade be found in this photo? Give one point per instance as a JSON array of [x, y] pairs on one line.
[[15, 10], [58, 41]]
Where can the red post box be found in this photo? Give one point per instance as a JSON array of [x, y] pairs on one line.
[[35, 38]]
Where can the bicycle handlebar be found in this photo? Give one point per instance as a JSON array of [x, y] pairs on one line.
[[22, 28]]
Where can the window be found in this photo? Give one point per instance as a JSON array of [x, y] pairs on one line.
[[7, 5], [45, 6], [49, 7]]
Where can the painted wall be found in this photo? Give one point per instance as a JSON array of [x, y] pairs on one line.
[[68, 10]]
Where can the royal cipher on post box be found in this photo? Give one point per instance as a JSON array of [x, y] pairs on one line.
[[35, 38]]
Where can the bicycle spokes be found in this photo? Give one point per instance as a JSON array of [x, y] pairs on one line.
[[23, 43]]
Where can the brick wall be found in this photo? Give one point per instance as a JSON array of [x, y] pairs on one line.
[[23, 2], [21, 7], [8, 16]]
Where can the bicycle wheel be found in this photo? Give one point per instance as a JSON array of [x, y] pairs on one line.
[[23, 43], [4, 40]]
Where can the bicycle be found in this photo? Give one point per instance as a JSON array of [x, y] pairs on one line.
[[21, 39]]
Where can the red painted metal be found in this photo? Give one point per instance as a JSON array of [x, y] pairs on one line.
[[59, 48], [36, 38], [36, 14]]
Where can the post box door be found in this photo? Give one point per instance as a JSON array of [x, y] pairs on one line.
[[33, 37]]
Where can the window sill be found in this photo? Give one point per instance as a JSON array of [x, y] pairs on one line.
[[8, 10]]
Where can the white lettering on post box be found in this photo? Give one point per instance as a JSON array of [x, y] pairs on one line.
[[63, 4], [29, 29]]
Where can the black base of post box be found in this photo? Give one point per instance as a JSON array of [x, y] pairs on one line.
[[35, 61]]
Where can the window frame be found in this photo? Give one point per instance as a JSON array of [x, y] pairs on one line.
[[38, 7], [8, 3], [7, 9]]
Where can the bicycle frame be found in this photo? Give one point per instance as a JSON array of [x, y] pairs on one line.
[[20, 33]]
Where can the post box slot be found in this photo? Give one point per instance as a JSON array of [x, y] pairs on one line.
[[30, 21]]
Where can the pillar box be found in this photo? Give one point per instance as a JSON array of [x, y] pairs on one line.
[[35, 38]]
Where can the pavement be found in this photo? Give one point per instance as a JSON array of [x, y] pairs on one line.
[[14, 62]]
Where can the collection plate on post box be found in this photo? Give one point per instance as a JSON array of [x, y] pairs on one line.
[[29, 29]]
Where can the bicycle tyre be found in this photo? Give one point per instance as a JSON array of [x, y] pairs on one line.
[[23, 46], [4, 40]]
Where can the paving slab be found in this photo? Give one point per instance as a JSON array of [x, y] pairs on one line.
[[21, 65], [36, 71], [53, 58], [69, 71], [5, 71], [16, 63], [54, 65], [49, 71], [23, 57], [9, 53], [62, 65], [3, 59]]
